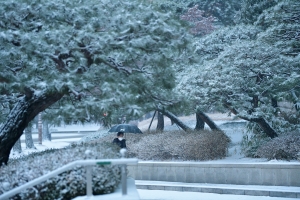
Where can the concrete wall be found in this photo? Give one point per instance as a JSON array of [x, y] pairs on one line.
[[284, 174]]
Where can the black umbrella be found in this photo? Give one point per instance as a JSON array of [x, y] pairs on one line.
[[126, 128]]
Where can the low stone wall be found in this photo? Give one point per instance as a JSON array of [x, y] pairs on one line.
[[283, 174]]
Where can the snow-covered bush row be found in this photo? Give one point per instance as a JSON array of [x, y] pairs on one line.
[[285, 147], [94, 136], [68, 184], [176, 145]]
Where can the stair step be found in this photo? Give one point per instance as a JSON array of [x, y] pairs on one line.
[[252, 190]]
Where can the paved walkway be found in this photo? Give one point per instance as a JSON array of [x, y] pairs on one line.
[[219, 189], [252, 190], [175, 195]]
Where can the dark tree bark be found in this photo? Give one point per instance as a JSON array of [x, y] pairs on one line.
[[28, 138], [175, 119], [199, 122], [46, 133], [23, 112], [160, 122], [172, 122], [255, 101], [17, 147], [207, 120], [151, 121], [263, 124], [274, 102]]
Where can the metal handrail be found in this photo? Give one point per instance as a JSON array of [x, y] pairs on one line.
[[88, 163]]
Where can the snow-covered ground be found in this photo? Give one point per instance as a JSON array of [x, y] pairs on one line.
[[72, 133]]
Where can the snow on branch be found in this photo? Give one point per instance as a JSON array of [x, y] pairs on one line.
[[58, 59], [296, 100], [78, 95], [162, 101], [118, 66]]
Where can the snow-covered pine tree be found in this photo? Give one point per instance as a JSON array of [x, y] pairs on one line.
[[250, 10], [247, 69], [94, 54]]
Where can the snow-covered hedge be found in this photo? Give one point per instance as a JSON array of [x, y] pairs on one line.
[[68, 184], [285, 147], [176, 145], [94, 136]]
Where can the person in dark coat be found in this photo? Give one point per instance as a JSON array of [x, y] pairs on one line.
[[119, 140]]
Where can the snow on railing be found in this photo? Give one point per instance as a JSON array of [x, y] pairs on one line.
[[88, 163]]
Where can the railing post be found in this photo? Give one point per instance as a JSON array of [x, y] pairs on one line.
[[124, 180], [124, 173], [89, 190]]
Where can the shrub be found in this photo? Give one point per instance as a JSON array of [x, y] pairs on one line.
[[93, 136], [285, 147], [173, 145], [251, 142], [66, 185]]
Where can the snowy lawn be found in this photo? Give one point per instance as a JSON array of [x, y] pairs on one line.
[[55, 144]]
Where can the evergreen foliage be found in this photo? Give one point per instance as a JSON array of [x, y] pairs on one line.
[[249, 68], [252, 9], [52, 45], [84, 59]]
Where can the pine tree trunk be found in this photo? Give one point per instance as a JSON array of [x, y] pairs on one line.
[[199, 122], [175, 119], [40, 129], [23, 112], [160, 122], [46, 133], [207, 120], [28, 137], [37, 123], [263, 124], [17, 147]]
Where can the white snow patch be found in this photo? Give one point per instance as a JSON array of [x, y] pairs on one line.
[[6, 185]]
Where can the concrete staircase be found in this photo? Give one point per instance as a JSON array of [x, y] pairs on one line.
[[252, 190], [257, 179]]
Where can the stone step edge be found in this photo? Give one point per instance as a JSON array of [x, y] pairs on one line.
[[252, 190]]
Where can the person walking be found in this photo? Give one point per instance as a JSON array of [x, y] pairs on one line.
[[119, 140]]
